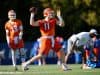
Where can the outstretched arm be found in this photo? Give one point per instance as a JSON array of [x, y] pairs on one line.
[[32, 21], [60, 21]]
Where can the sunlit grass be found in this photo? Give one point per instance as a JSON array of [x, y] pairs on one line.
[[48, 70]]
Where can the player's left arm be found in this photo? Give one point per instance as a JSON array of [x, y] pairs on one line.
[[20, 31], [60, 20]]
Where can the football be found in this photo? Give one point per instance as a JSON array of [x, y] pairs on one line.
[[33, 9]]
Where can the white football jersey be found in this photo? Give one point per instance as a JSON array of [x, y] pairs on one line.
[[83, 37]]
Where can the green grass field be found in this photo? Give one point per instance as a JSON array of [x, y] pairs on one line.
[[48, 70]]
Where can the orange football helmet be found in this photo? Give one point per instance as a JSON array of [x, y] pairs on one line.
[[48, 11]]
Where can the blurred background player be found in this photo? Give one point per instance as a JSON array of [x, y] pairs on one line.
[[47, 29], [96, 49], [77, 41], [14, 32], [92, 56], [87, 54], [60, 40]]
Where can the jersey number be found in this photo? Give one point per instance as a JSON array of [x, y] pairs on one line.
[[15, 28], [46, 26]]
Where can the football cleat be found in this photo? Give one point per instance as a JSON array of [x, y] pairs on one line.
[[24, 67]]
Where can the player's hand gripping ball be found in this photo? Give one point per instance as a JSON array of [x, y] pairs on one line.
[[33, 9]]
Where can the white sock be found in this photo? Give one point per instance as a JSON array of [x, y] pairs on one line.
[[28, 62], [39, 62], [59, 62], [13, 58]]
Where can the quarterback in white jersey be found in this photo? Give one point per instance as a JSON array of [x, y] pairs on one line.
[[79, 40]]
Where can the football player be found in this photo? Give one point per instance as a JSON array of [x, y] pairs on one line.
[[14, 32], [47, 29]]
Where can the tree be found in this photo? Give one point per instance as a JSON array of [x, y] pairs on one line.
[[79, 15]]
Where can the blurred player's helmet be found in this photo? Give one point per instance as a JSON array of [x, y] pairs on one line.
[[93, 31], [11, 15], [48, 12]]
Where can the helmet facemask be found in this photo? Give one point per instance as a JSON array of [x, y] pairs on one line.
[[48, 12], [12, 15]]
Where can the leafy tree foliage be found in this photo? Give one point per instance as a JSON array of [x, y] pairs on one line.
[[79, 15]]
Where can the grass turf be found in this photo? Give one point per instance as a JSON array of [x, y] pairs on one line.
[[47, 70]]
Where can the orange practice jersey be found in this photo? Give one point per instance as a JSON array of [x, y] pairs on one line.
[[13, 32], [47, 28]]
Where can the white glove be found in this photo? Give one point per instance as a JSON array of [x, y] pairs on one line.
[[20, 35]]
